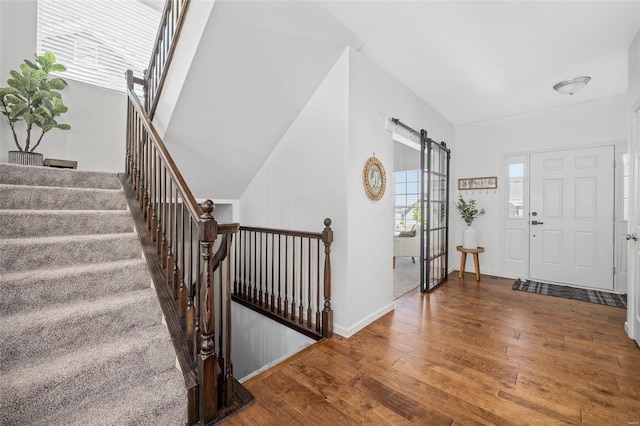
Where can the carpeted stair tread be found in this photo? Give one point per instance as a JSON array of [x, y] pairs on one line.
[[159, 400], [22, 254], [25, 291], [41, 223], [81, 333], [14, 174], [59, 198], [43, 388], [51, 331]]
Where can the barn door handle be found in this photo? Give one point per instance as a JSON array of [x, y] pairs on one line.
[[633, 237], [535, 222]]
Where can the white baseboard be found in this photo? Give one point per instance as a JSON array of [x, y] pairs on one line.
[[348, 332]]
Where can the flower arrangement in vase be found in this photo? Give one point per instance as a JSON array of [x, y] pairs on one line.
[[469, 213]]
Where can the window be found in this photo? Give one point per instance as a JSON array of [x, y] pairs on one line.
[[407, 206], [516, 191], [98, 40]]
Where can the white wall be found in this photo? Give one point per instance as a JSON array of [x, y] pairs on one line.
[[405, 158], [302, 181], [195, 22], [480, 149], [633, 95], [256, 66], [97, 116], [259, 342], [375, 95], [316, 171]]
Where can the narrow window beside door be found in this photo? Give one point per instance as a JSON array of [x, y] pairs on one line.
[[516, 191]]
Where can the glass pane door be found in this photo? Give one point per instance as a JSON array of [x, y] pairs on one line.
[[434, 213]]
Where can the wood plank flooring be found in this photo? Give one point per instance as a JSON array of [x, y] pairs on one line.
[[469, 353]]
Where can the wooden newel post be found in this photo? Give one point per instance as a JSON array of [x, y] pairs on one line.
[[327, 312], [207, 358]]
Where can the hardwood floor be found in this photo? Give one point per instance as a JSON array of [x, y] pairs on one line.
[[468, 353]]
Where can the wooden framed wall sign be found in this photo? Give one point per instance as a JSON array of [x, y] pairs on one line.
[[374, 178], [489, 182]]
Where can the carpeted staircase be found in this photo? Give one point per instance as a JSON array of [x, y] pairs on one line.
[[81, 334]]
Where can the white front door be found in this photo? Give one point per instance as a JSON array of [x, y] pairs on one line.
[[571, 219], [633, 311]]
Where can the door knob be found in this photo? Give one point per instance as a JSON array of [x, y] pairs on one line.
[[535, 222], [633, 237]]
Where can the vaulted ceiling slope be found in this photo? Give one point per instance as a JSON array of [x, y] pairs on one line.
[[257, 65], [478, 60], [259, 62]]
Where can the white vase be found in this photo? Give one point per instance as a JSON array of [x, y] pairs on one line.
[[470, 238]]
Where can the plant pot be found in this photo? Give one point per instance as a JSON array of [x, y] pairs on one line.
[[470, 238], [26, 158]]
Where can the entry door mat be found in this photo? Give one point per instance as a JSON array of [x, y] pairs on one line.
[[593, 296]]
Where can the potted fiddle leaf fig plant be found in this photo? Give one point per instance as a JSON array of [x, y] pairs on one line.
[[32, 100]]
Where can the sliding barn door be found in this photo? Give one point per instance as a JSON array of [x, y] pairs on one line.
[[434, 214]]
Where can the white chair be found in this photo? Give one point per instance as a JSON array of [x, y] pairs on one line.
[[406, 247]]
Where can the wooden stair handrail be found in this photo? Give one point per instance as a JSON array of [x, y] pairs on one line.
[[288, 232], [192, 205], [169, 30], [280, 274], [193, 282]]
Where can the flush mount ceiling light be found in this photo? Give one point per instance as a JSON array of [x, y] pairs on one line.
[[572, 85]]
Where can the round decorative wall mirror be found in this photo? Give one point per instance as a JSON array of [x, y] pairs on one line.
[[374, 178]]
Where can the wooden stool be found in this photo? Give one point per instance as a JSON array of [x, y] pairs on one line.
[[476, 261]]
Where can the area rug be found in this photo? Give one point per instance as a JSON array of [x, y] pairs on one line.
[[406, 276], [593, 296]]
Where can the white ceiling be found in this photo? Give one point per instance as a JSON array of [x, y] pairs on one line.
[[259, 62], [478, 60]]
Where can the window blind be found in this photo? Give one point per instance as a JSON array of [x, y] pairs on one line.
[[98, 40]]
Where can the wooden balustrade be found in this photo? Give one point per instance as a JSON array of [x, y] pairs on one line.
[[284, 275], [194, 255], [195, 258], [171, 23]]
